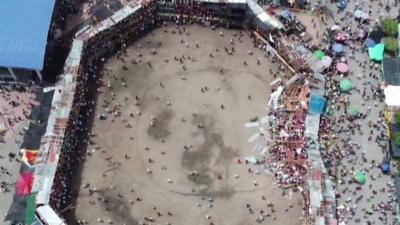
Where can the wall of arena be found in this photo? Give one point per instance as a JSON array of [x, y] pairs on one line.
[[64, 144]]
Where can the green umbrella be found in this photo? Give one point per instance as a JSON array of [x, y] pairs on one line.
[[345, 85], [353, 111], [319, 54], [359, 177]]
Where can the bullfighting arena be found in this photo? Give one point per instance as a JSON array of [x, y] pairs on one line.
[[169, 142]]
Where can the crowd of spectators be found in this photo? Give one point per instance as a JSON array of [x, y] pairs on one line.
[[78, 133]]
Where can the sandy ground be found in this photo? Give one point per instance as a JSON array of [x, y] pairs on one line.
[[375, 180], [13, 167], [223, 186], [9, 171], [308, 20]]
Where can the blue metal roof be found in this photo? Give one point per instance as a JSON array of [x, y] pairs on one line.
[[24, 26]]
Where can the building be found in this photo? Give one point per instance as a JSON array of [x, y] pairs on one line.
[[391, 71], [23, 38]]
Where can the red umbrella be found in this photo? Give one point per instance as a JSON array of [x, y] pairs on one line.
[[24, 184], [342, 36], [342, 67]]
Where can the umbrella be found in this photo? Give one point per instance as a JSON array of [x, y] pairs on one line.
[[345, 85], [342, 67], [359, 177], [369, 43], [342, 36], [358, 13], [326, 61], [319, 54], [24, 184], [338, 48], [353, 111]]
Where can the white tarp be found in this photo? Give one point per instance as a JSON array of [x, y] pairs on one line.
[[275, 97], [120, 14], [270, 21], [315, 198], [82, 31], [293, 79], [392, 95], [105, 24], [47, 89], [210, 1], [312, 126], [124, 12], [237, 1], [252, 124], [254, 7], [48, 216], [43, 196], [3, 127]]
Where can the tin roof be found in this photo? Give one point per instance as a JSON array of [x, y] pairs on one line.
[[23, 34]]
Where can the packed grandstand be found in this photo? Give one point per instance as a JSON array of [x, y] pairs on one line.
[[69, 104]]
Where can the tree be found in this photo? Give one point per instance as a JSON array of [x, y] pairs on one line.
[[389, 27], [397, 140], [397, 118], [391, 45]]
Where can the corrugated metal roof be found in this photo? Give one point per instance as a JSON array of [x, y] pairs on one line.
[[391, 70], [23, 33]]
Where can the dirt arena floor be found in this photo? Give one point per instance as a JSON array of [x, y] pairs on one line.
[[177, 160]]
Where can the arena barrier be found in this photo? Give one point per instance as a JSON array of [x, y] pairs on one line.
[[66, 91]]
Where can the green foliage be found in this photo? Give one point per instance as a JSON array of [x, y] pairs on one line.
[[391, 45], [389, 27], [397, 140], [397, 118]]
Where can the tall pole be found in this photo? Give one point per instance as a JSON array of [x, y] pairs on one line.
[[12, 73], [39, 74]]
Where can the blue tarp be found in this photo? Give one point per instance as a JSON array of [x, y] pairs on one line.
[[317, 104], [24, 26]]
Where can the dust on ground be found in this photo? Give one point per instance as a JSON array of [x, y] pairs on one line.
[[172, 153]]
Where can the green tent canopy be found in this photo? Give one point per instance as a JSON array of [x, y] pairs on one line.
[[376, 52], [353, 111], [359, 177], [345, 85], [319, 54]]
